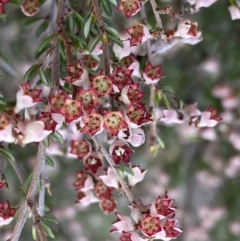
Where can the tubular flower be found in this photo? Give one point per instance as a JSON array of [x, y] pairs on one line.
[[108, 205], [208, 118], [120, 150], [57, 102], [84, 181], [92, 162], [6, 213], [102, 84], [30, 7], [27, 97], [77, 75], [171, 232], [71, 110], [80, 148], [130, 236], [6, 133], [102, 190], [86, 197], [150, 226], [110, 179], [2, 2], [129, 7], [114, 122], [138, 34], [137, 177], [92, 123], [152, 74], [49, 123], [137, 115], [131, 93], [88, 98], [90, 62], [123, 223], [122, 77]]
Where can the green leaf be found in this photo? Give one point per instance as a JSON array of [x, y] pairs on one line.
[[27, 182], [126, 169], [42, 28], [30, 21], [57, 136], [121, 174], [47, 230], [105, 5], [31, 72], [46, 41], [116, 40], [7, 155], [50, 219], [43, 50], [112, 31], [61, 48], [107, 21], [49, 161], [94, 43], [160, 142], [78, 17], [34, 233], [2, 101], [114, 2], [87, 26], [71, 23], [166, 102], [43, 77], [46, 142], [167, 88]]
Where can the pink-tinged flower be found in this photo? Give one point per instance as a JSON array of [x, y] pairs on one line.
[[201, 3], [92, 123], [3, 182], [131, 93], [137, 206], [170, 116], [171, 232], [6, 213], [92, 162], [110, 179], [188, 32], [114, 122], [122, 77], [235, 12], [137, 137], [120, 151], [102, 84], [77, 75], [2, 2], [86, 198], [90, 62], [27, 97], [71, 110], [6, 133], [137, 115], [152, 74], [150, 226], [208, 118], [122, 52], [162, 207], [108, 205], [80, 148], [137, 177], [49, 123], [130, 62], [129, 7], [57, 102], [84, 181], [123, 223], [32, 132], [30, 7], [88, 98], [130, 236], [102, 190], [138, 34]]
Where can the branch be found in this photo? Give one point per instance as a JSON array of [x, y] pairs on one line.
[[2, 160], [101, 25], [123, 184], [156, 15], [41, 148]]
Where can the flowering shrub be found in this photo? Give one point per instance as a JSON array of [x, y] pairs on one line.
[[97, 94]]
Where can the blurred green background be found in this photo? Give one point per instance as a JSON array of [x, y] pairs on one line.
[[200, 168]]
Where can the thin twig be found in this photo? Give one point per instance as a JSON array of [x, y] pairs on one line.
[[2, 160]]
